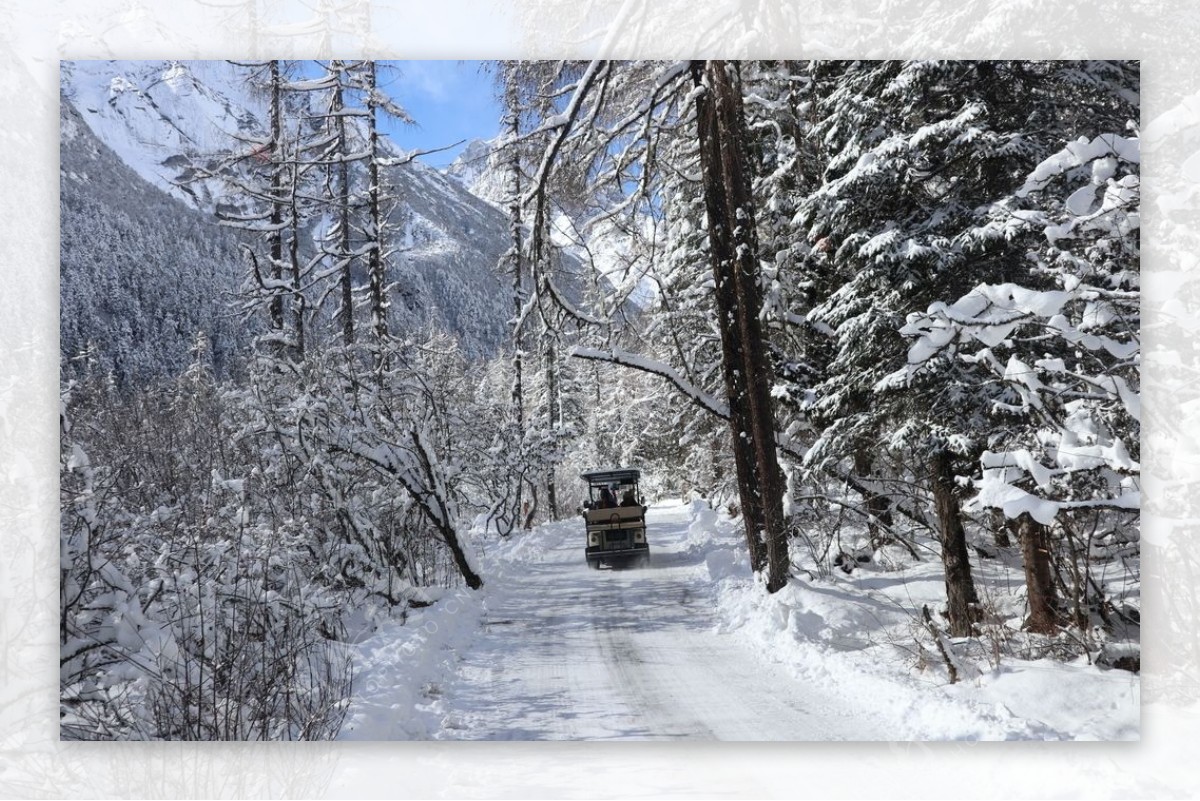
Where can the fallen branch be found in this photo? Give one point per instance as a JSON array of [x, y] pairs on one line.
[[939, 640]]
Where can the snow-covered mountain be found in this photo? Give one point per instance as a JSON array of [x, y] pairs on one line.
[[140, 272], [162, 119], [476, 170]]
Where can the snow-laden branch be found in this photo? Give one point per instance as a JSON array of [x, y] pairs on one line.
[[694, 393], [719, 408], [561, 125], [1073, 353], [408, 156]]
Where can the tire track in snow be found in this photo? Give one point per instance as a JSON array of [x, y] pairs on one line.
[[572, 653]]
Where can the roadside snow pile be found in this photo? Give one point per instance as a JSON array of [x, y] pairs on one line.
[[716, 540], [704, 522], [1088, 702], [491, 546], [400, 665], [860, 636], [725, 563]]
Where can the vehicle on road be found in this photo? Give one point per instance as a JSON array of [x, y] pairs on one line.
[[615, 518]]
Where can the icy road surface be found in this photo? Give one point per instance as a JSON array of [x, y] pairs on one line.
[[568, 653]]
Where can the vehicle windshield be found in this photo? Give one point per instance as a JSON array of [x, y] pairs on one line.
[[613, 487]]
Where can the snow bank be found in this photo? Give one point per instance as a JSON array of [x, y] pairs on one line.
[[713, 541], [862, 649], [1075, 700], [858, 636], [400, 666]]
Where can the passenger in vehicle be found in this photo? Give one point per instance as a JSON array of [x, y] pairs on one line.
[[607, 500], [627, 499]]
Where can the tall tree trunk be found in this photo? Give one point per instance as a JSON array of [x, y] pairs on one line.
[[515, 262], [879, 507], [375, 260], [552, 411], [1039, 582], [346, 279], [299, 307], [733, 244], [962, 603], [515, 265], [278, 158]]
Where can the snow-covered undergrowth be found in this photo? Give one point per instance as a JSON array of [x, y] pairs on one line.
[[861, 635]]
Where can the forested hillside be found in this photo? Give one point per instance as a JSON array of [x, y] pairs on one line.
[[177, 125], [883, 316], [140, 273]]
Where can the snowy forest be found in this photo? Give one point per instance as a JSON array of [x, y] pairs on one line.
[[869, 330]]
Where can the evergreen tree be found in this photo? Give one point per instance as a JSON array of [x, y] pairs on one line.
[[917, 148]]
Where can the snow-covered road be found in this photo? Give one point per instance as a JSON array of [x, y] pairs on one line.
[[572, 653], [692, 648]]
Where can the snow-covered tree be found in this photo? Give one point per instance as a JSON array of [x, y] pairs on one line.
[[1061, 364], [605, 134], [915, 150]]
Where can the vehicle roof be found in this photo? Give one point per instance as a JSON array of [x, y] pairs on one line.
[[620, 475]]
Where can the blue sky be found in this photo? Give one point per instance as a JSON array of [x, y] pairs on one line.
[[449, 100]]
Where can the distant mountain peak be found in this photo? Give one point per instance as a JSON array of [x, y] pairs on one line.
[[164, 119], [477, 169]]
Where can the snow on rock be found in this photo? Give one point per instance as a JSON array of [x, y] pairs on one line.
[[479, 170]]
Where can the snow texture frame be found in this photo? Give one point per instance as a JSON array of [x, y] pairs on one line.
[[35, 763]]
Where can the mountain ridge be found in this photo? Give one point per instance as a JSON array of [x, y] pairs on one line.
[[140, 272], [163, 119]]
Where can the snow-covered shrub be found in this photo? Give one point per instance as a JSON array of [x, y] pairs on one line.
[[188, 604]]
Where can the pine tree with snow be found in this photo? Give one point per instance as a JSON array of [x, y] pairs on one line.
[[1064, 361], [916, 149]]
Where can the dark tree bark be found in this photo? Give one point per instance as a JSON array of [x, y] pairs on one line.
[[514, 263], [278, 157], [1000, 527], [1039, 578], [434, 507], [346, 279], [299, 306], [735, 261], [879, 506], [375, 260], [553, 403], [962, 603]]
